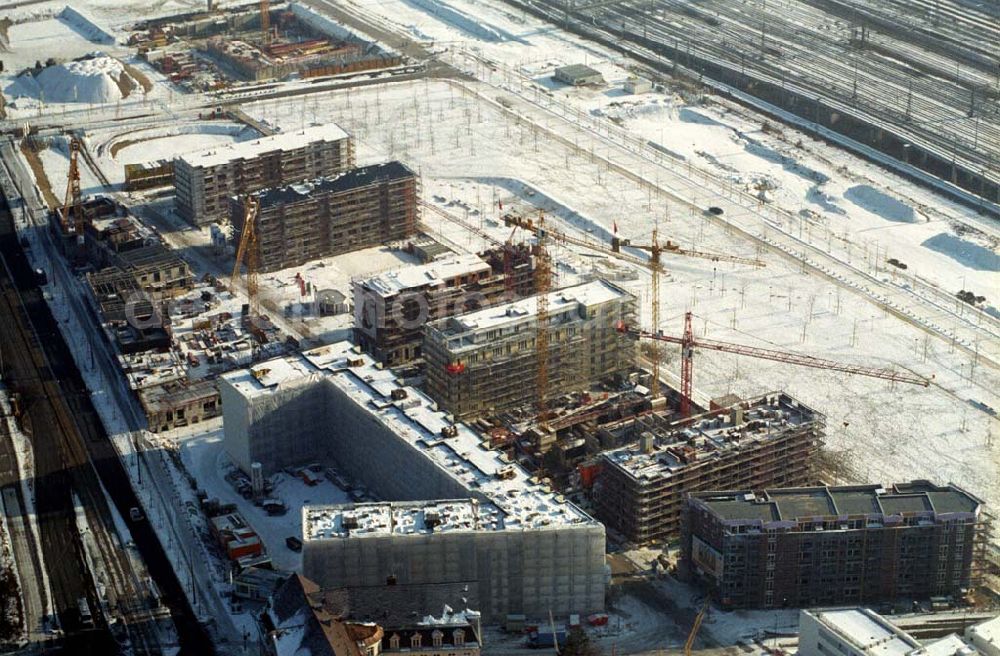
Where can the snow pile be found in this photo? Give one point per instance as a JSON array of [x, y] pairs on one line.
[[459, 19], [85, 25], [97, 79]]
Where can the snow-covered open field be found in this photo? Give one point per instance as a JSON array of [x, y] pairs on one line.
[[456, 135]]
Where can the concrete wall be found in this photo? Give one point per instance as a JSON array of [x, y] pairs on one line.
[[361, 444]]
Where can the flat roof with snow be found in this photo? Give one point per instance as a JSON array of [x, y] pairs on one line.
[[872, 501], [355, 178], [768, 417], [282, 141], [431, 274], [395, 518], [866, 631], [516, 500], [522, 311]]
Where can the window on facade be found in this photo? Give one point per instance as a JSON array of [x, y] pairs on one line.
[[459, 637], [436, 638], [415, 641], [394, 641]]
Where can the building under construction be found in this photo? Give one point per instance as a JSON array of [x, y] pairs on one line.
[[128, 312], [770, 441], [392, 308], [327, 216], [833, 546], [480, 520], [205, 181], [157, 268], [486, 361]]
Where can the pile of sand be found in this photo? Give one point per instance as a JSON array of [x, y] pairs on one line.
[[95, 79]]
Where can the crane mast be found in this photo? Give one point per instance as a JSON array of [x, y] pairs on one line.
[[248, 252], [543, 283], [265, 21], [655, 266], [74, 198]]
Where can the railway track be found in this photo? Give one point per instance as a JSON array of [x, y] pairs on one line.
[[74, 454], [921, 312], [58, 466], [798, 48]]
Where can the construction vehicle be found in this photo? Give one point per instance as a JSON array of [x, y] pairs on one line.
[[688, 343]]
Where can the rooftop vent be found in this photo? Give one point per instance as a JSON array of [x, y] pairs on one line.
[[398, 394], [449, 431]]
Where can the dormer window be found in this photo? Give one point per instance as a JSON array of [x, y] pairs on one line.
[[437, 637], [459, 637], [394, 641], [415, 641]]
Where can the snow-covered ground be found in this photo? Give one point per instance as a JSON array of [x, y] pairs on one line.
[[113, 148], [205, 458], [834, 191]]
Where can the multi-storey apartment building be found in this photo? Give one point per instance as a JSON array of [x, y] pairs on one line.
[[460, 515], [487, 360], [831, 545], [205, 181], [767, 441], [357, 209], [391, 309]]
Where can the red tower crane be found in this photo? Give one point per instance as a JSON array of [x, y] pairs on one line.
[[688, 344]]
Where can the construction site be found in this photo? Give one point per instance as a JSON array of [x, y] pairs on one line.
[[254, 43], [446, 315], [392, 307], [640, 489]]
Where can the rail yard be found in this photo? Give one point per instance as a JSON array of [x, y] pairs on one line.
[[918, 80]]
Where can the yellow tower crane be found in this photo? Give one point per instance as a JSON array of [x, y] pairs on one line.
[[73, 202], [689, 645], [654, 264], [248, 252], [543, 284], [265, 21]]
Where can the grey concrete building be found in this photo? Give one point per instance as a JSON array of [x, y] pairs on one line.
[[530, 559], [577, 75], [335, 405]]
